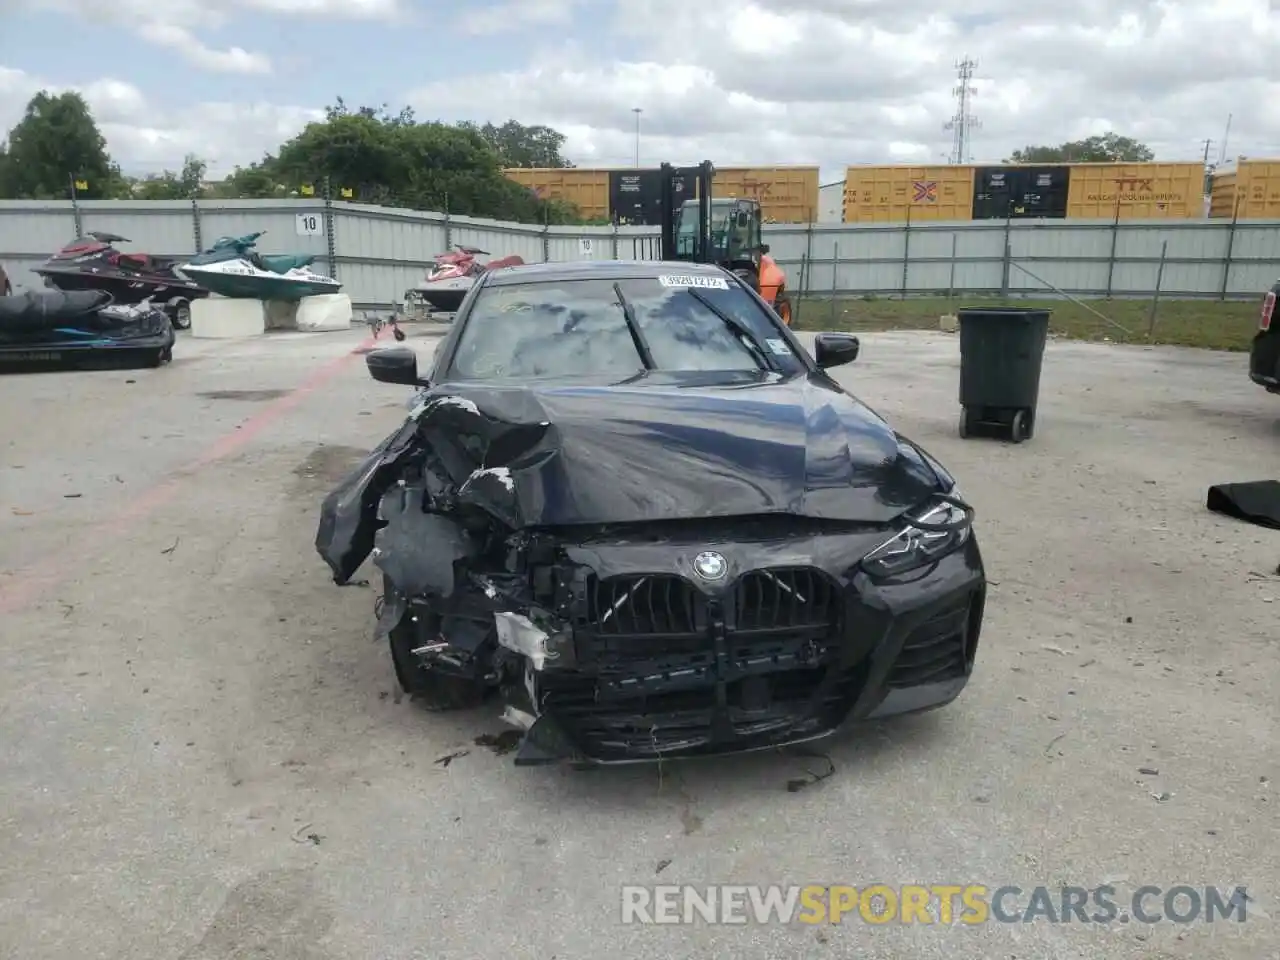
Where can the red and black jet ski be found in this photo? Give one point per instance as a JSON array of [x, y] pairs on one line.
[[450, 275], [93, 263]]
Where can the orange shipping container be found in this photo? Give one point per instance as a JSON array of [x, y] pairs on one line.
[[588, 190], [896, 194], [1248, 189], [1136, 191]]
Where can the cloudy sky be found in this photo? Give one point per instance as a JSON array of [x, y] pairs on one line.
[[831, 82]]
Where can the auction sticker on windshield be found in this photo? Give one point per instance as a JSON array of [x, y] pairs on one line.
[[779, 347], [710, 283]]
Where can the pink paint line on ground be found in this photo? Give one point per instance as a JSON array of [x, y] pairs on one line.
[[26, 586]]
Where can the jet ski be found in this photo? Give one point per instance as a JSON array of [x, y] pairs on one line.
[[233, 268], [450, 275], [81, 328], [92, 262]]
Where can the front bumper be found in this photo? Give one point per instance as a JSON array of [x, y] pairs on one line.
[[795, 642]]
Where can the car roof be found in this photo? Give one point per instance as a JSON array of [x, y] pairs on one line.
[[599, 270]]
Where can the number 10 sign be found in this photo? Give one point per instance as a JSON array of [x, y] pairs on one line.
[[309, 225]]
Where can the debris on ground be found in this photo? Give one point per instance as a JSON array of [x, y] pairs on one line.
[[797, 784], [448, 758], [500, 743], [662, 865], [1256, 502], [299, 837]]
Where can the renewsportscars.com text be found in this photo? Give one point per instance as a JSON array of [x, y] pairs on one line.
[[942, 904]]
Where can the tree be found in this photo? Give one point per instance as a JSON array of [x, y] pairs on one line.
[[519, 146], [393, 159], [383, 115], [56, 142], [380, 156], [257, 181], [174, 186], [1107, 148]]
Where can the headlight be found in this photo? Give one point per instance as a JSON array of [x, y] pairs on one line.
[[942, 526]]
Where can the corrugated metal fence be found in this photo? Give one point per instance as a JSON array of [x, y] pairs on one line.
[[378, 252]]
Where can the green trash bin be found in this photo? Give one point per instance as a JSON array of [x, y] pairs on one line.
[[1001, 354]]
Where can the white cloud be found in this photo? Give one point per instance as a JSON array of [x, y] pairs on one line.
[[509, 15], [145, 139], [330, 9], [180, 39], [172, 24], [831, 82], [851, 81], [179, 25]]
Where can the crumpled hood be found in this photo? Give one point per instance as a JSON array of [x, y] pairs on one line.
[[560, 455]]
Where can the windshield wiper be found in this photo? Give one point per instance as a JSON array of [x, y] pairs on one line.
[[737, 326], [642, 346]]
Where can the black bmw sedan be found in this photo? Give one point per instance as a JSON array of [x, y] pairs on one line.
[[1264, 354], [632, 510]]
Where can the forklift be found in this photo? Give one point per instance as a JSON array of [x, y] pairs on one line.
[[727, 232]]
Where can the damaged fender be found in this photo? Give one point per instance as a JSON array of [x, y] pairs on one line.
[[464, 458]]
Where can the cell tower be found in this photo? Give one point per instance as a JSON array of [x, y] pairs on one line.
[[964, 122]]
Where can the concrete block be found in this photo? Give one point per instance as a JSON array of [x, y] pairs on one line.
[[215, 317], [281, 314], [325, 311], [948, 323]]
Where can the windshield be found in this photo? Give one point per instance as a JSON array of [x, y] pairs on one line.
[[579, 328], [687, 228]]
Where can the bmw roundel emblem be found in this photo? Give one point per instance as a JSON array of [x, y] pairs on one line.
[[710, 565]]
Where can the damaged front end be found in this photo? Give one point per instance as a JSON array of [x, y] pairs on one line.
[[646, 638]]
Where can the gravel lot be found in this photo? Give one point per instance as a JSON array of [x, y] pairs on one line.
[[204, 754]]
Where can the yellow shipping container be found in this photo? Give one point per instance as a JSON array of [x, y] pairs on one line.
[[588, 190], [786, 194], [1136, 191], [1248, 189], [895, 194]]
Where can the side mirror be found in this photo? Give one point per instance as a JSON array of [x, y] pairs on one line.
[[835, 349], [764, 248], [394, 365]]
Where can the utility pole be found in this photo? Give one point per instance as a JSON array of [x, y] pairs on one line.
[[964, 122], [1208, 171], [637, 111]]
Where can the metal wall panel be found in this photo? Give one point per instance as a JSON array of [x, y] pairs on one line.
[[382, 233], [380, 251], [235, 218]]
